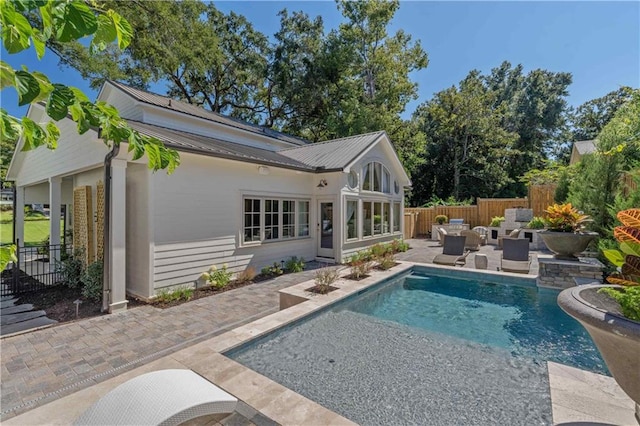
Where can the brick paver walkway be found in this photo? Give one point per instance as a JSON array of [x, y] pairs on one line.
[[45, 365]]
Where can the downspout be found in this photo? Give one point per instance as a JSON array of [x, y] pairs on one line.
[[106, 276]]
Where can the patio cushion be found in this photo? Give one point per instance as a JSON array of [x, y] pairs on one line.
[[165, 397]]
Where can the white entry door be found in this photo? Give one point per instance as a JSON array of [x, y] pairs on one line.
[[325, 229]]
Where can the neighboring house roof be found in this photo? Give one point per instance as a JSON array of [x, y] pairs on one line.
[[585, 147], [197, 111], [190, 142], [335, 154]]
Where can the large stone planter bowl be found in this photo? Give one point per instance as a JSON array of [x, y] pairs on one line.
[[567, 245], [617, 338]]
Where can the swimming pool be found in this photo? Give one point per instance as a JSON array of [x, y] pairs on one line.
[[424, 348]]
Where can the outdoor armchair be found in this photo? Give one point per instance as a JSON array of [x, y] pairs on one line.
[[513, 235], [472, 239], [515, 255], [453, 252]]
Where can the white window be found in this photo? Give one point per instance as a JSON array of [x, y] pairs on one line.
[[367, 213], [377, 218], [352, 180], [274, 219], [386, 218], [396, 217], [271, 222], [352, 219], [251, 219], [288, 219], [376, 178], [303, 219], [366, 180]]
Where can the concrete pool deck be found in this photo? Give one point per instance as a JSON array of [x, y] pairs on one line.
[[576, 395]]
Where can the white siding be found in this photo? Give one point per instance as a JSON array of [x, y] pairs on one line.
[[127, 106], [139, 229], [39, 194], [74, 152], [197, 218]]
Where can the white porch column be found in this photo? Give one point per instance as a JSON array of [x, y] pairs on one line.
[[19, 215], [55, 202], [117, 236]]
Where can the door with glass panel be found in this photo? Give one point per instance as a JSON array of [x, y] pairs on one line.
[[325, 229]]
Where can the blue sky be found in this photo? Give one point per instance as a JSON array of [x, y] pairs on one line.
[[598, 42]]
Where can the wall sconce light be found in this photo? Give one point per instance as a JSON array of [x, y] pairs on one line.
[[322, 184], [263, 170]]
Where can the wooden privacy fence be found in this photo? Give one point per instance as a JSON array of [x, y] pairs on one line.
[[418, 220]]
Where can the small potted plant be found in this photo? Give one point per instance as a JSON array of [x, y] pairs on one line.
[[611, 313], [441, 219], [565, 235]]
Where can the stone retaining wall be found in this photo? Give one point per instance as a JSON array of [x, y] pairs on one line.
[[561, 274]]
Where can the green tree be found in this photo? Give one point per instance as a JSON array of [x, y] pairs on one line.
[[598, 179], [589, 119], [467, 151], [38, 23], [535, 108]]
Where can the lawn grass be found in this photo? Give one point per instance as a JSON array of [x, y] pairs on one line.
[[36, 229]]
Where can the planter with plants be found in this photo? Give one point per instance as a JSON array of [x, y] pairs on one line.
[[611, 313], [565, 235], [441, 219], [324, 278]]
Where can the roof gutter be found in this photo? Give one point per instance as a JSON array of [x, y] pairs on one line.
[[106, 276]]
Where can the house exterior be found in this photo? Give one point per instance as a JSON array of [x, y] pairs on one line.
[[581, 148], [243, 195]]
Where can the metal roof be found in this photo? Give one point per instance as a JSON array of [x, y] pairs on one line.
[[190, 142], [335, 154], [196, 111]]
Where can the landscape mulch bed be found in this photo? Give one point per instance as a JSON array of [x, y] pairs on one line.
[[210, 291], [318, 290], [57, 302]]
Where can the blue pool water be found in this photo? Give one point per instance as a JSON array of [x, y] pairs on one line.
[[524, 320], [421, 349]]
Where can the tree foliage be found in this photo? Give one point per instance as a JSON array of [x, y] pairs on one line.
[[597, 182], [39, 23], [589, 119], [64, 22], [466, 149]]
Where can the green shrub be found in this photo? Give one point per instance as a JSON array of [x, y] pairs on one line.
[[496, 221], [272, 270], [6, 208], [92, 281], [177, 294], [360, 264], [536, 223], [294, 264], [387, 261], [324, 278], [71, 269], [378, 251], [441, 219], [218, 278], [628, 298]]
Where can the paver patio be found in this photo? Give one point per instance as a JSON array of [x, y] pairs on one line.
[[45, 365]]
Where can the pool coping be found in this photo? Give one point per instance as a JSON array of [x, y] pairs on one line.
[[262, 397]]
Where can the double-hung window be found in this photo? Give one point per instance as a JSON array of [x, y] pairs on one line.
[[252, 219]]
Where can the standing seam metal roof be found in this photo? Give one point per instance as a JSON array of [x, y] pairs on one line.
[[194, 110], [190, 142], [335, 154]]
